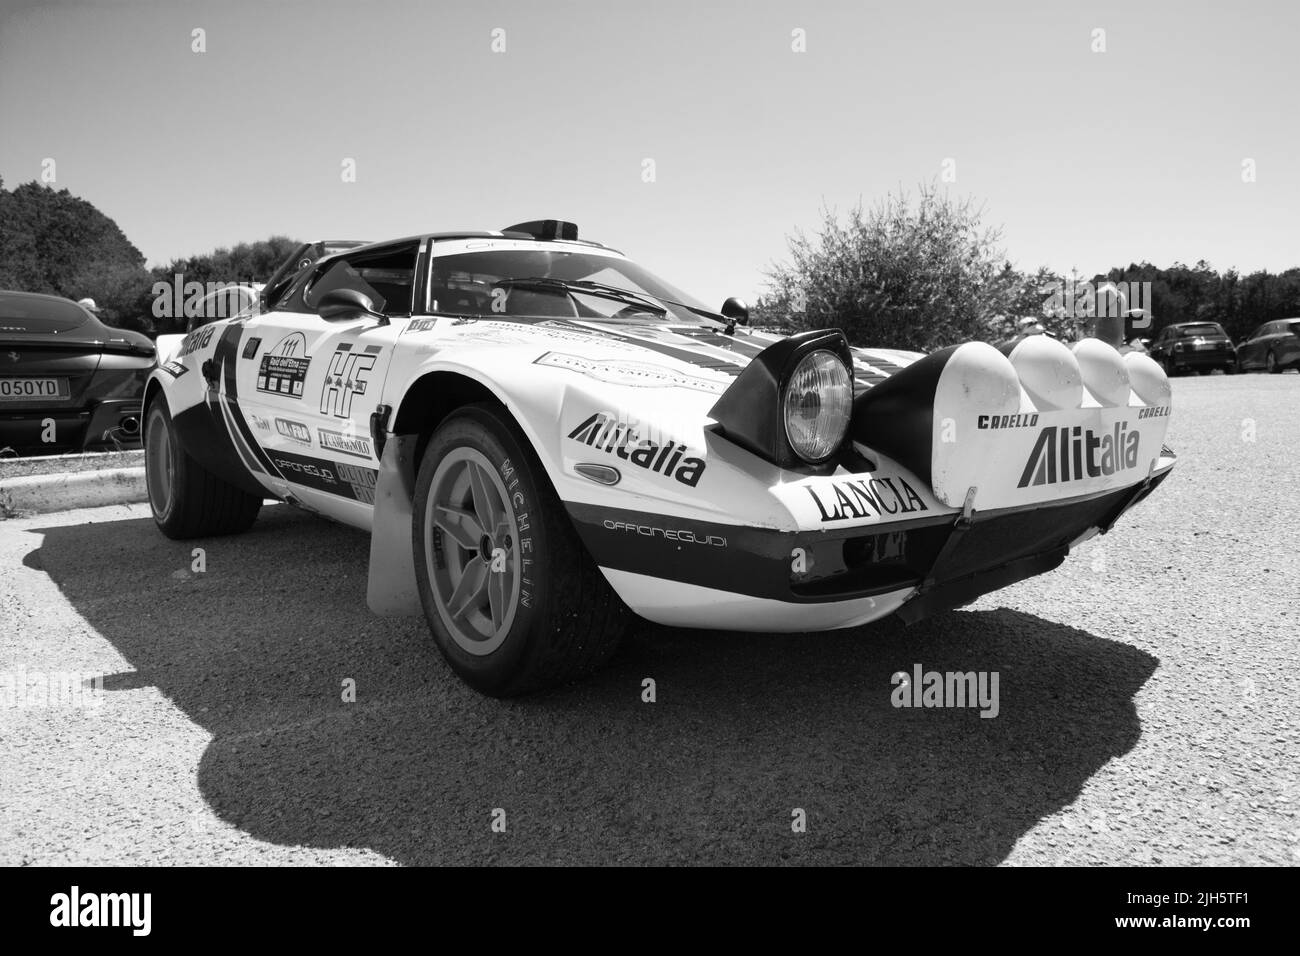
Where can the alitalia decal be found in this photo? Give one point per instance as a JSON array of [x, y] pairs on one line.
[[1071, 454], [605, 433]]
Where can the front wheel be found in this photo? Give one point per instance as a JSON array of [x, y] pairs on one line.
[[187, 500], [512, 599]]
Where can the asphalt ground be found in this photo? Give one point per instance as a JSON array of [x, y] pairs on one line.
[[1149, 704]]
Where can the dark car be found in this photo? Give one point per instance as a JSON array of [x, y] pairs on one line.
[[1273, 346], [1194, 347], [68, 382]]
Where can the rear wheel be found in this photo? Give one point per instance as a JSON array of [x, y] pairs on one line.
[[512, 599], [187, 500]]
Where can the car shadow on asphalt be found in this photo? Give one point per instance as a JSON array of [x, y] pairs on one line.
[[745, 730]]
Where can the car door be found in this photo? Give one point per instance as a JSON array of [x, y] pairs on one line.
[[312, 384], [1288, 342], [1248, 351], [1160, 348]]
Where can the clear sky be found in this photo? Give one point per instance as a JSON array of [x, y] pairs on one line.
[[1086, 159]]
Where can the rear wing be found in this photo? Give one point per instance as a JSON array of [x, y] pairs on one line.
[[301, 258]]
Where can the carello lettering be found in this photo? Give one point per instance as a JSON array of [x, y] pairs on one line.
[[1007, 421], [866, 498], [612, 437], [1071, 454]]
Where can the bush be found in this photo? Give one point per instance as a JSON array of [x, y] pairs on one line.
[[900, 275]]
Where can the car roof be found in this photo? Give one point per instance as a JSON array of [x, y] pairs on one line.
[[37, 295], [473, 234]]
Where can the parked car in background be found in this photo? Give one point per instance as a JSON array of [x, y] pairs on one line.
[[68, 382], [1194, 347], [1273, 346]]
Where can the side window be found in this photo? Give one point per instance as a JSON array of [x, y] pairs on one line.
[[243, 301], [386, 276], [208, 309]]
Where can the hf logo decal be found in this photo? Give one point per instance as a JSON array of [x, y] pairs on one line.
[[348, 375]]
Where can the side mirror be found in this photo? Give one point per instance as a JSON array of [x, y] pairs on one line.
[[735, 310], [340, 305]]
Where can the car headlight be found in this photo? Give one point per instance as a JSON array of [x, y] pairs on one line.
[[817, 405]]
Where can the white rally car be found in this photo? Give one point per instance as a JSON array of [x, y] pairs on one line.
[[538, 434]]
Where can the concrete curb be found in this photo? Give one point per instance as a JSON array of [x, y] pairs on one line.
[[42, 494]]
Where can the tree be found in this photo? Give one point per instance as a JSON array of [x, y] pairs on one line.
[[904, 274], [55, 243]]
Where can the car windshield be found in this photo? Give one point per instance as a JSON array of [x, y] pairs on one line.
[[1203, 328], [39, 315], [556, 284]]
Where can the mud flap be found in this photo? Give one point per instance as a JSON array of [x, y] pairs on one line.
[[391, 590]]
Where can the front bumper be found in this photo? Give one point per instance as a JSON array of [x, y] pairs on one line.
[[1203, 360], [700, 574]]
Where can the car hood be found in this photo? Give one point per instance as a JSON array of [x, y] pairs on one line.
[[701, 356]]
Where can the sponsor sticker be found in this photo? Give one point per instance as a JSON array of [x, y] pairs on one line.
[[294, 431], [1062, 454], [333, 477], [346, 444], [676, 535], [605, 433], [174, 369], [200, 338], [347, 377], [1007, 421], [284, 369], [865, 497], [630, 372]]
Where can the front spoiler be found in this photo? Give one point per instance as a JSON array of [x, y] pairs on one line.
[[915, 567]]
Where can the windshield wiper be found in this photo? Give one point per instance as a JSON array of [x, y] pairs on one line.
[[591, 288]]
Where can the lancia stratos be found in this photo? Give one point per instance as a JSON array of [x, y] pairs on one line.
[[540, 436]]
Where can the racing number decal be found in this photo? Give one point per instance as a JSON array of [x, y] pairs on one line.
[[348, 375]]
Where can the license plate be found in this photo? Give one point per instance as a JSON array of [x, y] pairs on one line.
[[33, 389]]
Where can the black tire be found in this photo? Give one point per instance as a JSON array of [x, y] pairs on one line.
[[187, 500], [1270, 363], [533, 622]]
